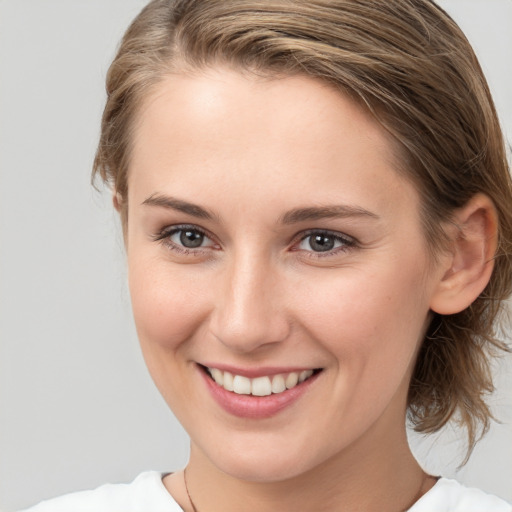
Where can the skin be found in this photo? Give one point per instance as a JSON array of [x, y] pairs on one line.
[[250, 150]]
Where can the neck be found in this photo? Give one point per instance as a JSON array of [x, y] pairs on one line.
[[381, 481]]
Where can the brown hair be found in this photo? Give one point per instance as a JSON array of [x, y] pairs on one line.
[[412, 67]]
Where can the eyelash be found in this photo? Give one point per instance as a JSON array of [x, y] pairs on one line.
[[164, 237], [347, 242]]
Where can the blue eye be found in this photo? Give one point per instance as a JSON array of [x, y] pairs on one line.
[[324, 241]]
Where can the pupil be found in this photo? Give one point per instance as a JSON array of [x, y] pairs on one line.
[[191, 239], [321, 243]]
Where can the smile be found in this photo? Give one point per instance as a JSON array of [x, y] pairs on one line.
[[259, 386], [258, 393]]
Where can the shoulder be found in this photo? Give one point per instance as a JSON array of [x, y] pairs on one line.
[[146, 492], [451, 496]]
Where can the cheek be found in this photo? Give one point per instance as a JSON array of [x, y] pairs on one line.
[[168, 306], [370, 322], [371, 327]]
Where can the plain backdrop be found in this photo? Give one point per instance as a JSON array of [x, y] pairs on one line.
[[77, 407]]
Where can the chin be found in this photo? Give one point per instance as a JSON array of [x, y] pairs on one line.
[[260, 461], [263, 470]]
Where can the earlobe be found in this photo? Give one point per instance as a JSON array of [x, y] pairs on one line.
[[471, 259]]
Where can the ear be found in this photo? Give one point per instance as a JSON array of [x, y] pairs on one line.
[[470, 262], [117, 201]]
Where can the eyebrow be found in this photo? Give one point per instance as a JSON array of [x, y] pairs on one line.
[[291, 217], [179, 205], [325, 212]]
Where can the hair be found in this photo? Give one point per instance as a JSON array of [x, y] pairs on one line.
[[410, 65]]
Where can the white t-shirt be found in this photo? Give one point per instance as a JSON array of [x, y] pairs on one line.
[[147, 493]]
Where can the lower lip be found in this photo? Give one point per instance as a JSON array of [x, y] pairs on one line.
[[256, 407]]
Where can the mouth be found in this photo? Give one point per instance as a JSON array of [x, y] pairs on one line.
[[260, 386], [258, 394]]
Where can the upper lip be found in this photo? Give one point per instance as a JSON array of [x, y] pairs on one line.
[[260, 371]]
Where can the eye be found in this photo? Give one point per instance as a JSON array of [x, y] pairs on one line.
[[184, 238], [325, 242], [189, 238]]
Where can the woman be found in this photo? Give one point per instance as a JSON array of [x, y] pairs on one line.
[[317, 216]]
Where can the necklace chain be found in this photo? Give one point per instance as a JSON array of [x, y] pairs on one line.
[[194, 509]]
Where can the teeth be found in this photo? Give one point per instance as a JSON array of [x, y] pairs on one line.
[[278, 384], [291, 380], [260, 386], [218, 376], [241, 385], [227, 381], [305, 375]]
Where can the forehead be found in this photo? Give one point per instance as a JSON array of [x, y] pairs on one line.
[[224, 128], [291, 106]]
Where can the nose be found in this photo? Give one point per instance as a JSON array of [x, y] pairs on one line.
[[249, 312]]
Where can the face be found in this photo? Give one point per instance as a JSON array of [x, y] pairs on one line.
[[279, 276]]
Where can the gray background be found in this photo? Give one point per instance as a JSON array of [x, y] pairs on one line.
[[77, 407]]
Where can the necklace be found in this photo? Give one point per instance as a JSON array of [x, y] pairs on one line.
[[194, 509]]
